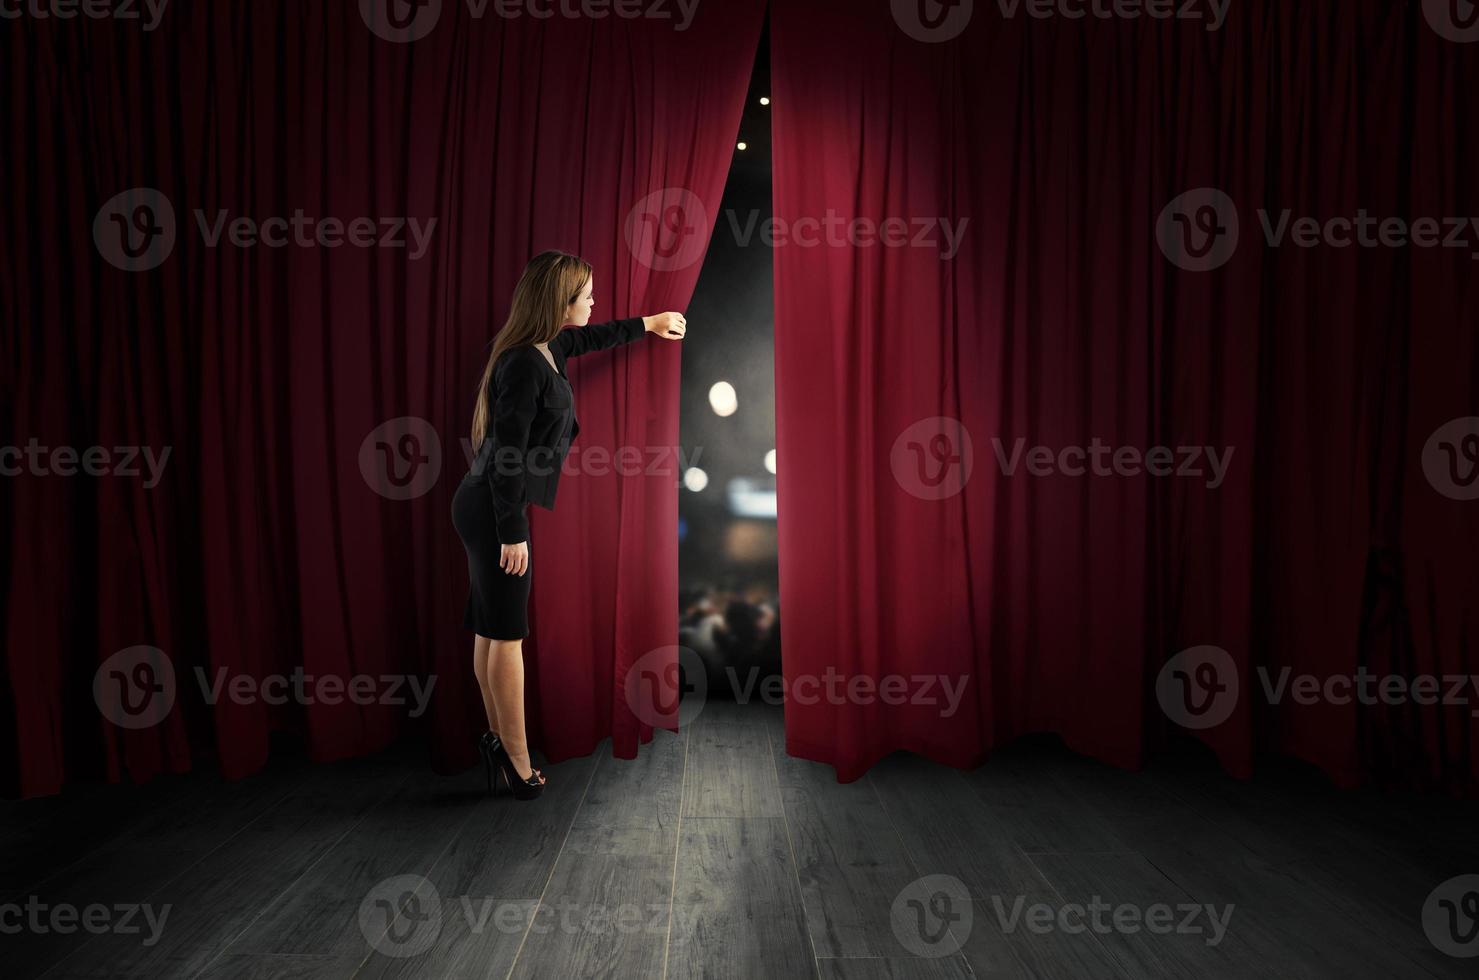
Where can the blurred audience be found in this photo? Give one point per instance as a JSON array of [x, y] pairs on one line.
[[736, 632]]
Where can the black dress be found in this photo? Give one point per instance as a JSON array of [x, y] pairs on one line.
[[497, 602], [533, 423]]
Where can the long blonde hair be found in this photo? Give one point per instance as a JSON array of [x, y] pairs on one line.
[[551, 282]]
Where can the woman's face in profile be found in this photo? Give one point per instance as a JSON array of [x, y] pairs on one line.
[[578, 313]]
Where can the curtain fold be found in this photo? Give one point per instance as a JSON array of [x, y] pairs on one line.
[[1036, 298], [315, 392]]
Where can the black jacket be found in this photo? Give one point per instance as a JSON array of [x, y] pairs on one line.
[[533, 423]]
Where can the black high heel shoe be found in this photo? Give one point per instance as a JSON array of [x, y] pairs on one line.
[[523, 789], [488, 745]]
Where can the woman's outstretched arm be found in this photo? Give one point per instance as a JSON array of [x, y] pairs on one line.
[[598, 336]]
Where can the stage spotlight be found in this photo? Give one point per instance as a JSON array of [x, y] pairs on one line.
[[722, 399], [695, 479], [743, 146], [770, 461], [764, 100]]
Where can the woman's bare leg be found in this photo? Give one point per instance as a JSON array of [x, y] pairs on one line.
[[482, 649], [506, 671]]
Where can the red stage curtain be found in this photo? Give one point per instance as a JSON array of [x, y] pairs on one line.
[[266, 547], [1059, 321]]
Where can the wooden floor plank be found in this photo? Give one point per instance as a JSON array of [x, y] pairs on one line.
[[268, 966], [1206, 943], [946, 831], [604, 910], [474, 908], [737, 908], [730, 773], [1039, 813], [910, 968], [850, 861]]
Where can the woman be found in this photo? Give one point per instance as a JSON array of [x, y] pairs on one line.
[[522, 425]]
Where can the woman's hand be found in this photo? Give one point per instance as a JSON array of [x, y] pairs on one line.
[[669, 326], [514, 558]]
